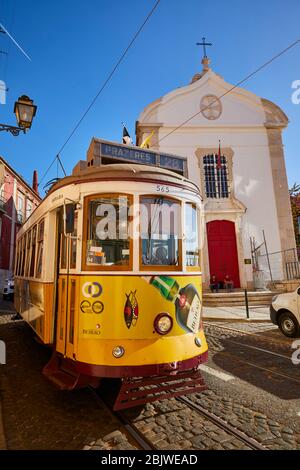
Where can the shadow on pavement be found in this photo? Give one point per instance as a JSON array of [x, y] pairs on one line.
[[273, 374]]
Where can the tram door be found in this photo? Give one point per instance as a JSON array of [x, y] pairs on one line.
[[66, 290]]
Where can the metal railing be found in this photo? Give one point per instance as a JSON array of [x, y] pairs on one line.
[[279, 265], [292, 270]]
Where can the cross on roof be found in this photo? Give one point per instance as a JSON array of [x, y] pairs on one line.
[[204, 44]]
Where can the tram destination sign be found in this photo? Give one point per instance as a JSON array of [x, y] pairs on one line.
[[132, 154], [128, 153]]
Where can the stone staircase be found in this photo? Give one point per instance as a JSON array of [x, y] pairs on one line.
[[237, 298]]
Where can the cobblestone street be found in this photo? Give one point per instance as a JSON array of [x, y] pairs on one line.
[[257, 401], [35, 414]]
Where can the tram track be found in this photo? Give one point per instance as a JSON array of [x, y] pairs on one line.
[[222, 424], [252, 364], [142, 442], [134, 432], [256, 335], [145, 444], [265, 369], [249, 346]]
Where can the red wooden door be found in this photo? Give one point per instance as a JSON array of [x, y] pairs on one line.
[[222, 250]]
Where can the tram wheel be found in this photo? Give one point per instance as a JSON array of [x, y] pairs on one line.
[[288, 325]]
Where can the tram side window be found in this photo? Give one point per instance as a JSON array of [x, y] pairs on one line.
[[17, 257], [19, 260], [33, 248], [160, 231], [28, 247], [40, 249], [22, 270], [107, 241], [192, 249], [19, 263]]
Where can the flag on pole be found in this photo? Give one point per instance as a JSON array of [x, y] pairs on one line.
[[147, 142], [219, 163], [127, 140]]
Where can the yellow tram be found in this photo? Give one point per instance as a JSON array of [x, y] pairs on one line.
[[108, 273]]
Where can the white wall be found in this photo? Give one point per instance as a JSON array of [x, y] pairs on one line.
[[241, 128]]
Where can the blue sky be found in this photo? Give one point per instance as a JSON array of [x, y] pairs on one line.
[[74, 44]]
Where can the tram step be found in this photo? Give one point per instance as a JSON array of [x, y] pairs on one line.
[[141, 390], [63, 381], [61, 372]]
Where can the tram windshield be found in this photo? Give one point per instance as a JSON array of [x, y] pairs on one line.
[[107, 234], [160, 231], [192, 235], [107, 241]]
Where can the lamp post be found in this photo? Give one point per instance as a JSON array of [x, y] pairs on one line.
[[25, 111]]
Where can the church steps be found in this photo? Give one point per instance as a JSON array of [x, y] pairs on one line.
[[229, 299]]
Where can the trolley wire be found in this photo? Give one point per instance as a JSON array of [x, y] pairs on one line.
[[5, 54], [101, 89], [293, 44]]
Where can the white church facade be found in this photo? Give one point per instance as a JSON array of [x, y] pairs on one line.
[[245, 191]]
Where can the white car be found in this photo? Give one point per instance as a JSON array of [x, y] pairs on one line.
[[8, 289], [285, 312]]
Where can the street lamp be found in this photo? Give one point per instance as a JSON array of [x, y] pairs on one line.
[[25, 111]]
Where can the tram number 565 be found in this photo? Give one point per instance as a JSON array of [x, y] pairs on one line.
[[162, 189]]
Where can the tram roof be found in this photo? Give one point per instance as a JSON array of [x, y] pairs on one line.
[[123, 171], [114, 172]]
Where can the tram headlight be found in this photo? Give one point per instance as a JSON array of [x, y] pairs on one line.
[[118, 351], [163, 323]]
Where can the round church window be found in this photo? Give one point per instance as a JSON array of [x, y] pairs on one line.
[[211, 107]]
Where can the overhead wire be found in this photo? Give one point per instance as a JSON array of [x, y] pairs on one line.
[[101, 89], [264, 65], [5, 54]]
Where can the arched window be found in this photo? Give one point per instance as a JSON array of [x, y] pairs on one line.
[[216, 176]]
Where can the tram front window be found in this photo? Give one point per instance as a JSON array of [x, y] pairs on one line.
[[107, 241], [160, 231], [192, 236]]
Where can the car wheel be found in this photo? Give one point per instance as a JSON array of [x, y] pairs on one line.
[[288, 325]]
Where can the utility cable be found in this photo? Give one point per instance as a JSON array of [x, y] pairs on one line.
[[230, 90], [102, 87]]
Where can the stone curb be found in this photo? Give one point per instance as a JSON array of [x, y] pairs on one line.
[[244, 320]]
